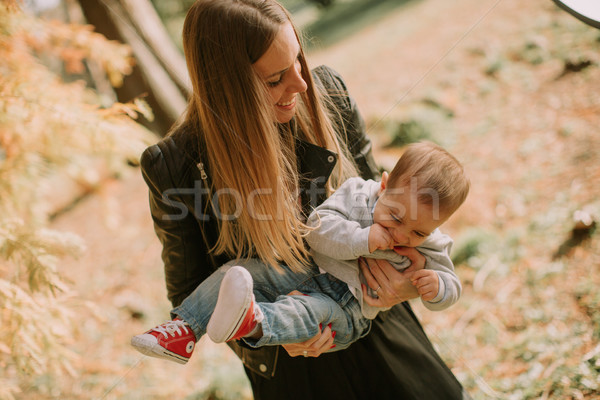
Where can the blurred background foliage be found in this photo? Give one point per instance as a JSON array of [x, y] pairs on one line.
[[57, 142]]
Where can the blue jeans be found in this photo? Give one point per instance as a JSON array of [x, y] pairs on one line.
[[288, 319]]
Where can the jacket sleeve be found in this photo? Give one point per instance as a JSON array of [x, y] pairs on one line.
[[352, 124], [184, 253]]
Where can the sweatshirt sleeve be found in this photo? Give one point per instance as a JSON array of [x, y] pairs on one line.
[[337, 231], [436, 250]]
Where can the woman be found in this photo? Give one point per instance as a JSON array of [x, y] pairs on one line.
[[263, 141]]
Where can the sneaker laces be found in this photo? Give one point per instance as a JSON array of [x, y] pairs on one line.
[[171, 327]]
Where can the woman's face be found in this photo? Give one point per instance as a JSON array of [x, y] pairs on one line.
[[280, 69]]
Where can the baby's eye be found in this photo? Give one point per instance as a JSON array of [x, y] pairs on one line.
[[396, 218]]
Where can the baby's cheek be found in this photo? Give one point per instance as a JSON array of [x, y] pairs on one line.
[[417, 242]]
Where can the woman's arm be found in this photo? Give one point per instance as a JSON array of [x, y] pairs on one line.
[[184, 252]]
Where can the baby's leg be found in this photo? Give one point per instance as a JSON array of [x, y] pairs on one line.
[[297, 318], [198, 307], [175, 340]]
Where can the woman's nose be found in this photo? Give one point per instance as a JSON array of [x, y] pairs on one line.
[[298, 85]]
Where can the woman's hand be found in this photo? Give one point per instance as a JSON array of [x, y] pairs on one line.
[[392, 286], [314, 346]]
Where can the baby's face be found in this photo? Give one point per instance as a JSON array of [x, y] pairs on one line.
[[408, 222]]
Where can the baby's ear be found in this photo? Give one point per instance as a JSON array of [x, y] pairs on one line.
[[384, 180]]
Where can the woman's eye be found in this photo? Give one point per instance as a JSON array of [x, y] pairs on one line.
[[277, 82]]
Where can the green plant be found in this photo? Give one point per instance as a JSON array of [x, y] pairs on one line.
[[426, 119], [472, 243]]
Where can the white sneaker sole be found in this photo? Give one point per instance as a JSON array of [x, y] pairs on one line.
[[149, 347], [235, 296]]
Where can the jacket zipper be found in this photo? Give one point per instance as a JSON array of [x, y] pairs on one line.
[[203, 175]]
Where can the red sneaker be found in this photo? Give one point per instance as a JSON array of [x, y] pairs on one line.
[[173, 340], [236, 312]]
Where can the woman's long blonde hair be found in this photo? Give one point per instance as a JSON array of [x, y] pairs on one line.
[[251, 158]]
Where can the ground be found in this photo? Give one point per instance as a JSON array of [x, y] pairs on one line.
[[511, 88]]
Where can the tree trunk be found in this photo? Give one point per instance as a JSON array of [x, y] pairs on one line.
[[160, 72]]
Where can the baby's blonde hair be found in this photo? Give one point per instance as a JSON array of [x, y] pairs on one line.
[[430, 169]]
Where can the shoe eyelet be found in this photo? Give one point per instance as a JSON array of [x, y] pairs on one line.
[[190, 346]]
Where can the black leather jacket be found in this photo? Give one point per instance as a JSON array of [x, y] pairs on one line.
[[177, 178]]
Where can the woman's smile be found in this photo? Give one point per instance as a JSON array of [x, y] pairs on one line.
[[288, 104]]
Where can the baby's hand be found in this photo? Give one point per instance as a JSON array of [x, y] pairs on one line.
[[426, 282], [379, 238]]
